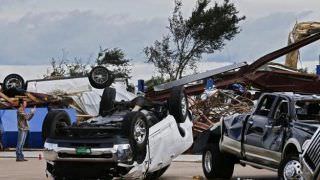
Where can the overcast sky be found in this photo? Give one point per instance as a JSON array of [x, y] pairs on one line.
[[33, 31]]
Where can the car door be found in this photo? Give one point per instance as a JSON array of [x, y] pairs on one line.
[[256, 129], [160, 140], [275, 130]]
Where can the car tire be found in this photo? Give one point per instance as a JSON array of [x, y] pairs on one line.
[[286, 165], [157, 174], [107, 101], [215, 164], [53, 120], [135, 126], [100, 77], [13, 81], [178, 104]]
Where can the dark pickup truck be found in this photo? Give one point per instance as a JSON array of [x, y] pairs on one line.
[[272, 136]]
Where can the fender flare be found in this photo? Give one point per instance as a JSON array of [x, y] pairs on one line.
[[292, 141]]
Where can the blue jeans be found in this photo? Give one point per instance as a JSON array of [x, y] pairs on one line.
[[22, 135]]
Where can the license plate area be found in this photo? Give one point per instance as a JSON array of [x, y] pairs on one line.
[[83, 151]]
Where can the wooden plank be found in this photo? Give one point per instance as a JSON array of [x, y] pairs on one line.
[[85, 116], [33, 98], [198, 130], [8, 99], [206, 126], [4, 104], [200, 127]]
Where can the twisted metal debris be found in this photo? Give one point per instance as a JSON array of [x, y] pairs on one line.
[[208, 110]]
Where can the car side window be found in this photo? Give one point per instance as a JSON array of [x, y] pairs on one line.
[[308, 110], [265, 105], [282, 108]]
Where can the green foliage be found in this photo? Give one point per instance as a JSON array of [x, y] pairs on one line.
[[204, 32], [155, 80], [58, 69], [77, 68], [115, 60]]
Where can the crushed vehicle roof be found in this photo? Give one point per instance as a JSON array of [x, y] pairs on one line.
[[297, 96]]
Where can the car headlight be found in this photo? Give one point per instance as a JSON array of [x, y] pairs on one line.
[[50, 146], [124, 152], [306, 144]]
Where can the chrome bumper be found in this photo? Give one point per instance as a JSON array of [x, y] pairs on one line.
[[118, 153]]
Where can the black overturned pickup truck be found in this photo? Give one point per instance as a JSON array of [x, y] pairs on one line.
[[272, 136]]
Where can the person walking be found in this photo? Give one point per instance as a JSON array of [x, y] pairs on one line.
[[23, 127]]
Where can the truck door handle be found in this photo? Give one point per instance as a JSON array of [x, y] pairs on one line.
[[270, 126], [250, 122]]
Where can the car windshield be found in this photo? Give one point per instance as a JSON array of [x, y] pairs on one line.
[[308, 109]]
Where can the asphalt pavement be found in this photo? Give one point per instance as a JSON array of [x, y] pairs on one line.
[[34, 169]]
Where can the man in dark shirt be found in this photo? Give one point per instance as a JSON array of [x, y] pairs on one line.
[[23, 127]]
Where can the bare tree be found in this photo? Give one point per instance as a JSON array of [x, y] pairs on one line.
[[63, 67], [58, 69]]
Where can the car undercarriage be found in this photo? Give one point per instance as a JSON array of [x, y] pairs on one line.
[[122, 140]]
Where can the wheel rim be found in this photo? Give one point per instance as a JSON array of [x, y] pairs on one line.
[[184, 105], [100, 75], [139, 132], [292, 170], [14, 83], [208, 161]]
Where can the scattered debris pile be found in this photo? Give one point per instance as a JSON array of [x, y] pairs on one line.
[[260, 75], [33, 99], [219, 103]]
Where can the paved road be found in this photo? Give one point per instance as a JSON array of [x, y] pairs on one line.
[[34, 169]]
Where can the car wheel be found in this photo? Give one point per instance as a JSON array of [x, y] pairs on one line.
[[178, 104], [290, 168], [13, 81], [156, 174], [53, 121], [216, 164], [100, 77], [135, 126], [107, 101]]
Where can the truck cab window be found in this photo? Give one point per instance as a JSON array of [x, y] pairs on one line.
[[308, 110], [265, 105], [282, 108]]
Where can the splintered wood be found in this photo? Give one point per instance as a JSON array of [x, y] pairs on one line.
[[33, 99], [208, 110]]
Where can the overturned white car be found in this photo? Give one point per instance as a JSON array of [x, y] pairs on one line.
[[131, 139]]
